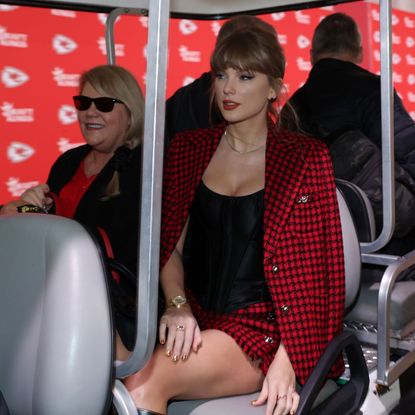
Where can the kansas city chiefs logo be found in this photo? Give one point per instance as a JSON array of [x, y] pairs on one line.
[[18, 152], [13, 77], [67, 115], [303, 42], [63, 45], [187, 27]]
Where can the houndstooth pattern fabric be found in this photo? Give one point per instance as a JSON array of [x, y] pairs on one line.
[[303, 251]]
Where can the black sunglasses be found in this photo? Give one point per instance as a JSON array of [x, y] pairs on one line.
[[103, 104]]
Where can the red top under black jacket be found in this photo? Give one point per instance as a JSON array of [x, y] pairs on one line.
[[303, 251]]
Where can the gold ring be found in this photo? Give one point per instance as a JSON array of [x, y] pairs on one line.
[[180, 327]]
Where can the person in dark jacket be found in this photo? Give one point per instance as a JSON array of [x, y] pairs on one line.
[[338, 97], [98, 183]]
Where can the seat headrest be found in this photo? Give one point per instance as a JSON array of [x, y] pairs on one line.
[[55, 322]]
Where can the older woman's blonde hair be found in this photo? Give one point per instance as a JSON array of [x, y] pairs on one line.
[[116, 82]]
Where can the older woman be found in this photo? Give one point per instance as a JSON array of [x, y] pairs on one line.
[[98, 183], [251, 254]]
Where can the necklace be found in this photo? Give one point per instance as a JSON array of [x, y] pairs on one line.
[[233, 148]]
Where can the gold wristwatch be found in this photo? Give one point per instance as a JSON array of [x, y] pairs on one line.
[[177, 301]]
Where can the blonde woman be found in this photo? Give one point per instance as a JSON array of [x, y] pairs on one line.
[[98, 183]]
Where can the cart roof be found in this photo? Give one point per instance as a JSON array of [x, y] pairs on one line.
[[202, 9]]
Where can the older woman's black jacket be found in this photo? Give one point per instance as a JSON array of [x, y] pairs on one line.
[[118, 216]]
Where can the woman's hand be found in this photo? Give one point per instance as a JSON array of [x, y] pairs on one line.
[[38, 196], [278, 388], [12, 206], [182, 331]]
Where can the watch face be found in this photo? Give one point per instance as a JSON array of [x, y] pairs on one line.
[[178, 301]]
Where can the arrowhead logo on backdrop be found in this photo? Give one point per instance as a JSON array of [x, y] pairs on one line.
[[13, 77], [18, 152], [303, 42], [63, 45], [396, 58], [187, 27], [278, 16], [67, 114]]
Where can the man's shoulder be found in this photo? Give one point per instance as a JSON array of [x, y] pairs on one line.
[[338, 67], [198, 86]]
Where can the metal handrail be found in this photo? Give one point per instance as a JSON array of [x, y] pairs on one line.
[[152, 170], [387, 373], [109, 29], [388, 148]]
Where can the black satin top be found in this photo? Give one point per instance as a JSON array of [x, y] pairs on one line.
[[223, 254]]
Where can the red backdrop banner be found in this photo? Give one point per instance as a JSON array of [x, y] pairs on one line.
[[43, 51]]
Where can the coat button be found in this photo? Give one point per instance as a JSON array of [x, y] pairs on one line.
[[271, 316], [303, 199], [275, 268], [284, 309], [268, 339]]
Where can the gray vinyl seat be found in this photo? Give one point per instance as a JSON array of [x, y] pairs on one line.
[[402, 310], [241, 404], [365, 309], [56, 348]]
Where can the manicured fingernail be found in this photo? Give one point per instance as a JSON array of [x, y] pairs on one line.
[[175, 358], [184, 357], [162, 341], [168, 353], [253, 402]]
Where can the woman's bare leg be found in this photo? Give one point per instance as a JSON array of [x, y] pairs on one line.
[[219, 368]]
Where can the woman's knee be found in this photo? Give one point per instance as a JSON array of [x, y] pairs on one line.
[[157, 377]]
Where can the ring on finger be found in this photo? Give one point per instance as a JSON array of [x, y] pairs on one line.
[[179, 327], [281, 397]]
